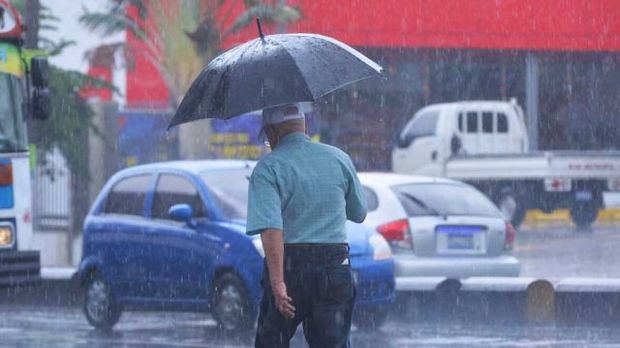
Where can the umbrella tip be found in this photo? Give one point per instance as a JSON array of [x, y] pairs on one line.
[[260, 29]]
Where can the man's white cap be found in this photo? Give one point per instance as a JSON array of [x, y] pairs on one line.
[[282, 113]]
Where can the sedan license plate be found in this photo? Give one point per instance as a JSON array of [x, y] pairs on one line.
[[461, 240], [583, 196]]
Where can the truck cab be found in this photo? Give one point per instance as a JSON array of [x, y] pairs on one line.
[[485, 144], [440, 131]]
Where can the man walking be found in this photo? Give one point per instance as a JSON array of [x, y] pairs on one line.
[[300, 196]]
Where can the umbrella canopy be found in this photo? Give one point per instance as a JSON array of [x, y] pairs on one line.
[[270, 71]]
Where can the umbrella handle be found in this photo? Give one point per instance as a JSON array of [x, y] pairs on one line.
[[260, 29]]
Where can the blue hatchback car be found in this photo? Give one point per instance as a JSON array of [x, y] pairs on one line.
[[170, 236]]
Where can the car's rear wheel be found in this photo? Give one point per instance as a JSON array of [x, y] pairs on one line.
[[584, 214], [100, 307], [370, 319], [512, 207], [230, 304]]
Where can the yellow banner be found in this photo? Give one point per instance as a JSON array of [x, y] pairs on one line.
[[10, 61]]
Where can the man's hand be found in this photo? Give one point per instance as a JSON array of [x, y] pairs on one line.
[[283, 302], [274, 253]]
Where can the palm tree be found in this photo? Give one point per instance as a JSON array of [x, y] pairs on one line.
[[187, 34], [180, 37]]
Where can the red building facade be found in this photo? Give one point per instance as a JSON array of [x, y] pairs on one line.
[[530, 25], [445, 50]]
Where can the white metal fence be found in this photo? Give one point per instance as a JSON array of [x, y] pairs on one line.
[[51, 198]]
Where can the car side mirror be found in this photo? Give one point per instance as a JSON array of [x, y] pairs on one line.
[[182, 213]]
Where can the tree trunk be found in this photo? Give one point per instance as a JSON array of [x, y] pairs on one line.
[[32, 24]]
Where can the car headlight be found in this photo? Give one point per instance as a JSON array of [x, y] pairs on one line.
[[381, 249], [258, 244], [6, 235]]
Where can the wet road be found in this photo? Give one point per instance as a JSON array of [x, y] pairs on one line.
[[66, 327], [550, 252], [555, 252]]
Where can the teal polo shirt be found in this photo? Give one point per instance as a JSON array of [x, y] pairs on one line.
[[306, 189]]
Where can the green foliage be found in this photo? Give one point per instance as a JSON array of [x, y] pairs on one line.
[[69, 123], [268, 14], [192, 31], [70, 120], [47, 22], [108, 24]]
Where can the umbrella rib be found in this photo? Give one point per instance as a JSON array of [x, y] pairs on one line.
[[229, 67], [355, 54], [349, 49], [360, 57], [344, 85], [301, 73]]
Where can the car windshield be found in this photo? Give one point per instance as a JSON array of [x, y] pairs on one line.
[[444, 199], [12, 123], [229, 188], [422, 125]]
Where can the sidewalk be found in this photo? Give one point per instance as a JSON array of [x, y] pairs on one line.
[[57, 273]]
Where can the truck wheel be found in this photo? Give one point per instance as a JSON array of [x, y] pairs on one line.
[[370, 319], [512, 206], [230, 304], [100, 307], [583, 215]]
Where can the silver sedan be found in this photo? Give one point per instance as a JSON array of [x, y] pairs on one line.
[[439, 227]]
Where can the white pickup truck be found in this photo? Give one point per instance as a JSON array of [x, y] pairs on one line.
[[485, 144]]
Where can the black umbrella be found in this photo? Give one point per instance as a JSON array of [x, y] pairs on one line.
[[272, 70]]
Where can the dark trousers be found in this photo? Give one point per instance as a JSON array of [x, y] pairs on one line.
[[319, 280]]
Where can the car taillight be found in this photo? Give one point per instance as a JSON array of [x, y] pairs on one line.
[[509, 239], [397, 233]]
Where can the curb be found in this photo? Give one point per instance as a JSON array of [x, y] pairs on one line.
[[535, 217], [509, 300]]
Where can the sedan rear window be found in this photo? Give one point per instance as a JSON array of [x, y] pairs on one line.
[[444, 199]]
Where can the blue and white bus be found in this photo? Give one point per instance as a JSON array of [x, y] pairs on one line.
[[23, 95]]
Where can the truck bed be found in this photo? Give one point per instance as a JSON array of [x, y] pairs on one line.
[[536, 165]]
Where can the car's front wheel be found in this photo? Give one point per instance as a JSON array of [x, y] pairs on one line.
[[100, 307], [230, 304]]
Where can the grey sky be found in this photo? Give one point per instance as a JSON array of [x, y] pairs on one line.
[[70, 29]]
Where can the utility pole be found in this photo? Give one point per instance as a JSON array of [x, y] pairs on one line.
[[281, 24], [531, 98], [33, 8]]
